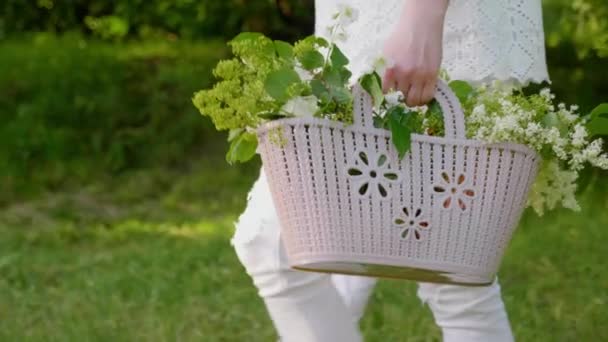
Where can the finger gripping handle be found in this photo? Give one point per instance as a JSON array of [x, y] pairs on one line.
[[453, 116]]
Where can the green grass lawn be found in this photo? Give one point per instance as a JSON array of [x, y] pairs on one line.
[[146, 257]]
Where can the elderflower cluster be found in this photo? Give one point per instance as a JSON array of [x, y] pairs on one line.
[[557, 133], [344, 17], [554, 186]]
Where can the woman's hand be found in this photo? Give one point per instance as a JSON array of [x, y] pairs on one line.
[[415, 48]]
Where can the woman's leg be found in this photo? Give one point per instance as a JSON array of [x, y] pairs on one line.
[[304, 306], [468, 313], [355, 292]]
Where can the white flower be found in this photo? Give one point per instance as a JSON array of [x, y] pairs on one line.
[[554, 186], [420, 109], [507, 106], [394, 98], [329, 32], [534, 133], [533, 129], [375, 63], [499, 115], [545, 92], [593, 150], [506, 128], [347, 15], [481, 134], [380, 64], [479, 113], [525, 116], [601, 162], [567, 116], [304, 74], [579, 136], [425, 124], [301, 106], [547, 95]]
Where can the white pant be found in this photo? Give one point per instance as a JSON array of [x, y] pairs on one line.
[[311, 307]]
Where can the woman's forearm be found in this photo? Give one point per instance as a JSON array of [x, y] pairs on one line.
[[415, 48]]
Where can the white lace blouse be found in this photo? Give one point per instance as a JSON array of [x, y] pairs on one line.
[[484, 40]]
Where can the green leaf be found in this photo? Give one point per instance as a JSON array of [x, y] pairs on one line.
[[546, 152], [341, 95], [311, 60], [435, 118], [262, 43], [598, 120], [435, 109], [321, 41], [333, 78], [336, 76], [462, 90], [598, 126], [380, 122], [372, 84], [336, 87], [284, 49], [316, 41], [278, 81], [585, 176], [234, 133], [345, 74], [247, 36], [600, 111], [401, 133], [550, 120], [242, 148], [320, 90], [338, 59]]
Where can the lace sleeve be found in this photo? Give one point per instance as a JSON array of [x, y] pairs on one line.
[[484, 40]]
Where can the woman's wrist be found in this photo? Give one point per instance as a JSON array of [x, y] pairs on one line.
[[415, 49]]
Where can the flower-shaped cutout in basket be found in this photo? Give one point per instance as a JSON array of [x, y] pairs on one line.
[[456, 192], [371, 174], [412, 223]]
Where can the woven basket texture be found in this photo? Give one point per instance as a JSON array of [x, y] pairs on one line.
[[347, 204]]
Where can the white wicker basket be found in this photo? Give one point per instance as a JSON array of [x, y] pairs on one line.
[[347, 204]]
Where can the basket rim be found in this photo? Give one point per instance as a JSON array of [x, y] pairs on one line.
[[517, 147]]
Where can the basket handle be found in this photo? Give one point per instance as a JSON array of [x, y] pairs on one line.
[[453, 116]]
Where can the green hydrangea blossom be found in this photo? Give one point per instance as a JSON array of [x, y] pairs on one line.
[[258, 83], [239, 96]]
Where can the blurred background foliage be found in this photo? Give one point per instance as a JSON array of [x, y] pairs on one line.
[[93, 87], [186, 19]]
